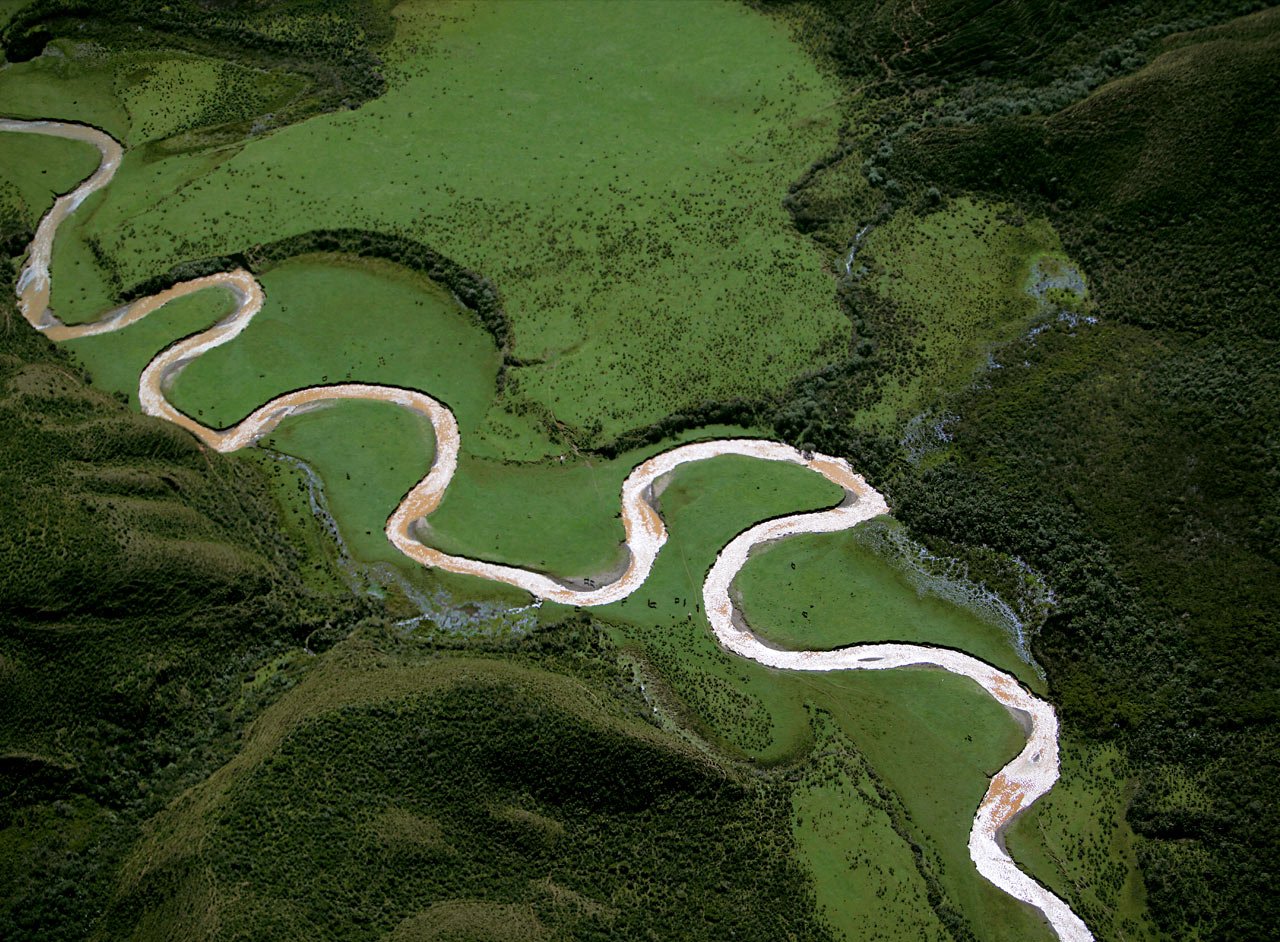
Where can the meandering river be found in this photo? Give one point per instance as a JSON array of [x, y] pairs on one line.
[[1030, 774]]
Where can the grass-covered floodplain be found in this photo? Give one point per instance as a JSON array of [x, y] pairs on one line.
[[823, 591], [626, 206], [846, 829], [957, 278], [364, 475], [570, 523], [144, 95], [35, 169], [116, 360], [328, 320], [933, 738]]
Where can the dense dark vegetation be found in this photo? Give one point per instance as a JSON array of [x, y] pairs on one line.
[[139, 575], [1134, 462], [522, 803], [331, 44]]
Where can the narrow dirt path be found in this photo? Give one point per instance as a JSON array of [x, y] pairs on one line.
[[1014, 788]]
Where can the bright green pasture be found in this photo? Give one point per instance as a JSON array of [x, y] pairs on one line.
[[35, 169], [1077, 842], [705, 505], [167, 94], [364, 480], [959, 275], [564, 519], [627, 206], [935, 739], [82, 288], [560, 519], [328, 320], [77, 85], [116, 360], [829, 590], [864, 876], [164, 95]]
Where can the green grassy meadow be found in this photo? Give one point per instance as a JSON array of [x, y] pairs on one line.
[[917, 728], [571, 525], [826, 591], [77, 87], [142, 96], [328, 321], [35, 169], [846, 829], [363, 482], [116, 360], [638, 248], [957, 277]]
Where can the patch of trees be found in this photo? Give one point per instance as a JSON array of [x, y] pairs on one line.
[[743, 412], [15, 232]]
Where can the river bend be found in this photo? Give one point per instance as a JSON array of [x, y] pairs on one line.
[[1029, 776]]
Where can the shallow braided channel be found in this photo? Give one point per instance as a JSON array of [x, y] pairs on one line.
[[1030, 775]]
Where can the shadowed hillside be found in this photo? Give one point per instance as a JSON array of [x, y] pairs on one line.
[[1125, 446], [399, 797], [140, 575]]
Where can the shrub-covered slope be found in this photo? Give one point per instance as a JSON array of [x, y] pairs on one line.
[[1161, 182], [1132, 460], [138, 575], [426, 795]]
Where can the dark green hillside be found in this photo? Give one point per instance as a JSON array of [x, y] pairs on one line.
[[389, 790], [139, 577], [1133, 461], [970, 49], [1162, 183], [903, 40]]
